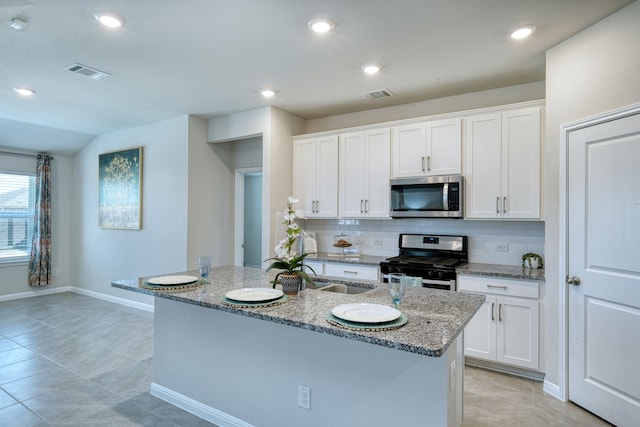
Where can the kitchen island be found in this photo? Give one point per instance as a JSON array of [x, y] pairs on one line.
[[243, 366]]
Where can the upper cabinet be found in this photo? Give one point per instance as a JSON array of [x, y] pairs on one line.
[[430, 148], [364, 174], [315, 175], [502, 165]]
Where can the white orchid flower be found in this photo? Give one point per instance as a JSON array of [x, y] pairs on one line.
[[299, 213], [293, 199]]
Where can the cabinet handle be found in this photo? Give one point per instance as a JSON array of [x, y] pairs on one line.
[[313, 206], [429, 163], [366, 206], [315, 209], [493, 311], [422, 163], [361, 208], [497, 286], [499, 312], [498, 205], [355, 273], [504, 205]]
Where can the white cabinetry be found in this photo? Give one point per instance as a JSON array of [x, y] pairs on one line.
[[506, 328], [315, 175], [431, 148], [344, 270], [364, 174], [502, 165]]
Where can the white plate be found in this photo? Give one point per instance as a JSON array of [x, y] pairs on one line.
[[254, 294], [366, 313], [172, 280]]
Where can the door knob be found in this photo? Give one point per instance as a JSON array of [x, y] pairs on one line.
[[573, 280]]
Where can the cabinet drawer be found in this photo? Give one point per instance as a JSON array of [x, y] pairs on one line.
[[492, 285], [351, 271], [317, 266]]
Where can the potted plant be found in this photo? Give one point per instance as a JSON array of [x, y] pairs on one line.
[[287, 259], [531, 260]]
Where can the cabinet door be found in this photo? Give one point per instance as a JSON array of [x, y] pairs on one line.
[[327, 177], [480, 332], [444, 147], [483, 150], [521, 163], [517, 332], [305, 174], [379, 172], [354, 170], [409, 150]]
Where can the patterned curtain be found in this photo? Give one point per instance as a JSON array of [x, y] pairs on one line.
[[40, 259]]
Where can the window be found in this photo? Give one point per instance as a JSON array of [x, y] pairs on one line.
[[17, 206]]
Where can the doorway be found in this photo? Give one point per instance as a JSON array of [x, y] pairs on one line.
[[248, 218], [601, 214]]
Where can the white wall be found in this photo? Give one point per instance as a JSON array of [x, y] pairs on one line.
[[104, 255], [451, 104], [595, 71], [13, 278], [276, 128]]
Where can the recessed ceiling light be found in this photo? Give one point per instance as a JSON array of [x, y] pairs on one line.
[[321, 26], [522, 32], [110, 20], [371, 68], [267, 93], [24, 91]]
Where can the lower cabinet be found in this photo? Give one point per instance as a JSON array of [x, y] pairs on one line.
[[506, 329], [344, 270]]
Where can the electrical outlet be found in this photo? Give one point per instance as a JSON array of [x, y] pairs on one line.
[[358, 240], [502, 247], [377, 241], [304, 396], [55, 272]]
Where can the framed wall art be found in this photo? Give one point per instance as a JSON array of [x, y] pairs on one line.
[[120, 197]]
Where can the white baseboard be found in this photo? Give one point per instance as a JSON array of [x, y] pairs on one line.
[[81, 291], [38, 293], [198, 409], [111, 298], [552, 389]]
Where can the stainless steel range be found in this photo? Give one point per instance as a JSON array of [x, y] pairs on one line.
[[433, 258]]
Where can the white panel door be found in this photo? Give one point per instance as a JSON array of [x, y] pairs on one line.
[[379, 161], [483, 148], [327, 177], [305, 174], [444, 147], [480, 332], [517, 335], [521, 163], [409, 145], [604, 231], [354, 170]]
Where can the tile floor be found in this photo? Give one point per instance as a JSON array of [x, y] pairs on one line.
[[72, 360]]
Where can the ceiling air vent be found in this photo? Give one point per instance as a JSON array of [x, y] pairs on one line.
[[375, 94], [87, 71]]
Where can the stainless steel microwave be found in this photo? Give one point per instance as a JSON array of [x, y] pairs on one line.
[[427, 197]]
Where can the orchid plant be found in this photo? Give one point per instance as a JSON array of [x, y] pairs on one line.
[[287, 258]]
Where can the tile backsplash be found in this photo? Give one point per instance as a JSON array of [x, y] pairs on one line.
[[487, 239]]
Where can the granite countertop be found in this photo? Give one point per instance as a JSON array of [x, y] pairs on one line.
[[436, 317], [347, 259], [505, 271]]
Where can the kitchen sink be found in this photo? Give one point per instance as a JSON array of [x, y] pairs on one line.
[[342, 288]]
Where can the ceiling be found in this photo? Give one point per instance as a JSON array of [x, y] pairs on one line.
[[212, 57]]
